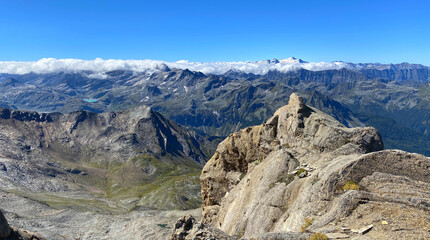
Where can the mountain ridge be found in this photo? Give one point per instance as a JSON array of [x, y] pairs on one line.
[[99, 67], [220, 104], [116, 156]]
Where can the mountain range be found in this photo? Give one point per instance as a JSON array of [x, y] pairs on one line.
[[223, 97], [124, 174]]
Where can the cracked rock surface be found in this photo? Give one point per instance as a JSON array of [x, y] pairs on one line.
[[249, 189]]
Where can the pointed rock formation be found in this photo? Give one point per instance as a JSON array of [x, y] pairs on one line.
[[251, 185]]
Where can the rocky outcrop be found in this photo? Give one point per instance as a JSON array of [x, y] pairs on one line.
[[251, 185]]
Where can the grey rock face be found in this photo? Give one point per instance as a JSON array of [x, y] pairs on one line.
[[248, 188]]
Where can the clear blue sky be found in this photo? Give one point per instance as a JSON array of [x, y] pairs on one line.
[[348, 30]]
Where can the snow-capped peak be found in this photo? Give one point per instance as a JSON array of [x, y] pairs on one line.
[[292, 60]]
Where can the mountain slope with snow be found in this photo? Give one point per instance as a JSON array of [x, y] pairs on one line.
[[394, 98], [99, 67]]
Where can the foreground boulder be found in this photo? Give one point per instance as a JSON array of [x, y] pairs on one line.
[[251, 186]]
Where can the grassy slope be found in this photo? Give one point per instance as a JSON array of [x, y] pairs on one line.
[[143, 182]]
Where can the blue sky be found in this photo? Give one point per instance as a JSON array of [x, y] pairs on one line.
[[348, 30]]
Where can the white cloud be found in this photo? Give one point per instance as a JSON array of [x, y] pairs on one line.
[[98, 75], [100, 66]]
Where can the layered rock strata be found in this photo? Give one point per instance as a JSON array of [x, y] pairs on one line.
[[251, 186]]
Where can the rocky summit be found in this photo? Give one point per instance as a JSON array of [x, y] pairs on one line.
[[302, 175]]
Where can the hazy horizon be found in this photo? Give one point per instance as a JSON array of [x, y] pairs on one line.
[[100, 66]]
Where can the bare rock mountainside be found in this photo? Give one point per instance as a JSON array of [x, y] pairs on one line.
[[304, 175], [109, 162]]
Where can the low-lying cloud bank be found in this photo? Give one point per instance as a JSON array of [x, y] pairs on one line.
[[98, 65]]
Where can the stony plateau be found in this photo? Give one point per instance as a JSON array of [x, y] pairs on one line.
[[349, 187]]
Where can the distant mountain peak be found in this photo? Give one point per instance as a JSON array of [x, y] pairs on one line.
[[274, 61], [292, 60], [289, 60]]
